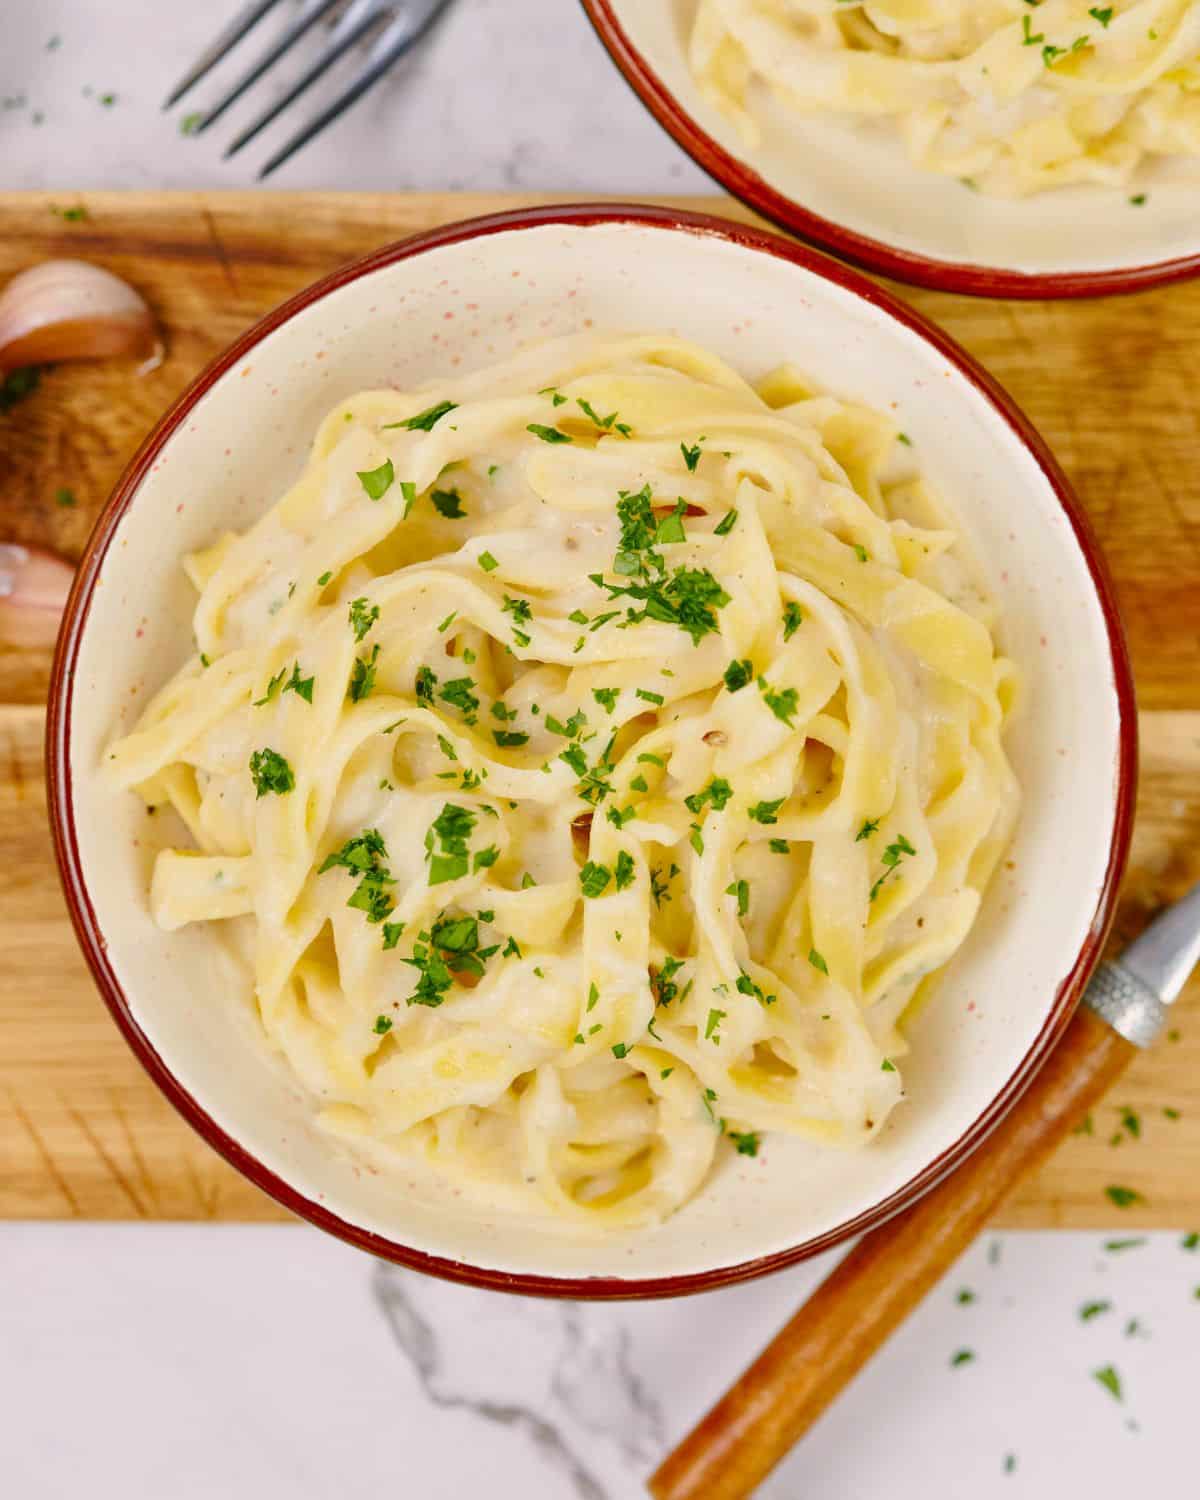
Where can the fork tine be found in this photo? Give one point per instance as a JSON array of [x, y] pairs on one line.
[[248, 17], [388, 50], [341, 45], [310, 13]]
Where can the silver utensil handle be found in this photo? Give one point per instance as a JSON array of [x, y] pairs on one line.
[[1127, 1003]]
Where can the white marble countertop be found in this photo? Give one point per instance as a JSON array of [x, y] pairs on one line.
[[181, 1362], [187, 1361], [503, 95]]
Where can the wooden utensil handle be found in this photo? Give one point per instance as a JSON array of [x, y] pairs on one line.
[[879, 1283]]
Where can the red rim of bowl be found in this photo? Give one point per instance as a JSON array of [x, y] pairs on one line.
[[873, 255], [58, 770]]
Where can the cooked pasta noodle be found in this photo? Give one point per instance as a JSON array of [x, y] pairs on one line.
[[1011, 97], [601, 753]]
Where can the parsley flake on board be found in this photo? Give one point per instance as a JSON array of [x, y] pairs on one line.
[[1123, 1197]]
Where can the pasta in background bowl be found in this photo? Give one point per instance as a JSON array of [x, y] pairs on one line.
[[970, 147], [543, 752]]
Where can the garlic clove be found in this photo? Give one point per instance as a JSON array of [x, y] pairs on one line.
[[33, 594], [68, 309]]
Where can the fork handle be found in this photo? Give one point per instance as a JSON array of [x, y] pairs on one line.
[[883, 1278]]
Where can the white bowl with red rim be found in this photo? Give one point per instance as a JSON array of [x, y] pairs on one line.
[[463, 296], [853, 190]]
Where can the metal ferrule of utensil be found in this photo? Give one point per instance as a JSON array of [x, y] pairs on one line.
[[1133, 993]]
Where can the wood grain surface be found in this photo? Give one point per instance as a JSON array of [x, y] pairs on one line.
[[82, 1130]]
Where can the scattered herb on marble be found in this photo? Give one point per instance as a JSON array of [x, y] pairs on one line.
[[1110, 1380]]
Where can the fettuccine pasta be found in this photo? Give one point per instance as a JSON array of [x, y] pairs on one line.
[[599, 753], [1011, 96]]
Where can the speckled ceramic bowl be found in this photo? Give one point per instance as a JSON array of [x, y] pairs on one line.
[[853, 190], [466, 295]]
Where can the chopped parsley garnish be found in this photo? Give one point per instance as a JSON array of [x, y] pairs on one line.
[[962, 1357], [793, 618], [556, 397], [623, 872], [383, 1024], [740, 889], [573, 726], [606, 697], [1091, 1310], [378, 481], [779, 846], [594, 879], [362, 617], [301, 686], [391, 934], [717, 792], [766, 812], [782, 702], [738, 674], [662, 982], [713, 1025], [271, 773], [670, 528], [457, 692], [426, 421], [619, 1049], [691, 456], [324, 578], [648, 697], [606, 424], [891, 858], [726, 524], [747, 1142], [817, 961], [425, 683], [510, 738], [448, 503], [549, 434], [887, 1066], [362, 676], [446, 843], [861, 552], [619, 816], [487, 562], [746, 986], [687, 599], [272, 688], [869, 827], [365, 856]]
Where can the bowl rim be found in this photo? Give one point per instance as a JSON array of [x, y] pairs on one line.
[[740, 179], [61, 795]]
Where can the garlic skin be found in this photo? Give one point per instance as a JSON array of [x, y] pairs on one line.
[[33, 594], [68, 309]]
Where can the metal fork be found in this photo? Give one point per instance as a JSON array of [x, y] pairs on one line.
[[400, 24]]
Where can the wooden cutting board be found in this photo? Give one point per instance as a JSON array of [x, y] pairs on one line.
[[1111, 384]]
